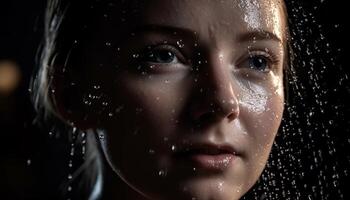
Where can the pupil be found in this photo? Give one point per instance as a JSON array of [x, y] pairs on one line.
[[258, 63], [164, 56]]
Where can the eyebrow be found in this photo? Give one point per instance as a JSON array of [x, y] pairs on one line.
[[165, 29], [259, 35]]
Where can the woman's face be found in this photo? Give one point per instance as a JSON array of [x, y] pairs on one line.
[[195, 93]]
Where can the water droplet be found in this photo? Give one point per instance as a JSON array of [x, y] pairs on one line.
[[162, 173], [180, 43], [151, 151], [70, 165], [101, 136]]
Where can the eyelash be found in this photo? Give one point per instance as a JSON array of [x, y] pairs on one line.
[[271, 60], [155, 50]]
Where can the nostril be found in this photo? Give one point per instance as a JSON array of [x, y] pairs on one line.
[[233, 114]]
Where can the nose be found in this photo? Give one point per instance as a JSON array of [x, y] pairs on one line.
[[217, 98]]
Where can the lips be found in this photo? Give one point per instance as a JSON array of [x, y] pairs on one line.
[[206, 156]]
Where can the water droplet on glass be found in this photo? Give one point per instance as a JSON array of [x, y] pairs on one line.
[[151, 151], [162, 173]]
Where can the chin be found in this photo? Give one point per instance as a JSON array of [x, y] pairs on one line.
[[207, 189]]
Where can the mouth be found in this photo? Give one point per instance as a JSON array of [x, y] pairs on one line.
[[210, 157]]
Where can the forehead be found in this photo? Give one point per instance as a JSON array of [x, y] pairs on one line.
[[224, 16]]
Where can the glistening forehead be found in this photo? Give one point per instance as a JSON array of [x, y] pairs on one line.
[[226, 17]]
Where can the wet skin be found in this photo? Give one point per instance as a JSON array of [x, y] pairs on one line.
[[187, 75]]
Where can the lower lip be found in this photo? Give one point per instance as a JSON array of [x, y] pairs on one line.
[[209, 162]]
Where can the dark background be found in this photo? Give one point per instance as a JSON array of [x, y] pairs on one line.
[[24, 173]]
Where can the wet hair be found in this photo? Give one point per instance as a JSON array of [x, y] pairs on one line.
[[60, 39], [67, 25]]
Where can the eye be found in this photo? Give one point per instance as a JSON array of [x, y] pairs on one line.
[[258, 62], [161, 55]]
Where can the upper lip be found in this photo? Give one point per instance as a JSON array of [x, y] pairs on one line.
[[206, 148]]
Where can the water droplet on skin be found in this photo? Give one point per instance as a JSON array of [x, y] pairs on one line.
[[29, 162], [180, 43], [220, 186], [173, 148], [221, 58], [69, 177], [69, 188]]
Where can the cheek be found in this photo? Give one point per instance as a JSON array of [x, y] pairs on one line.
[[157, 101], [148, 117], [261, 107], [143, 129]]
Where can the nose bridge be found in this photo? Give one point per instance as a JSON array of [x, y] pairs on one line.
[[218, 81]]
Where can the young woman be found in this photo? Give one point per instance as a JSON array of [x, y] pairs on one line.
[[182, 98]]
